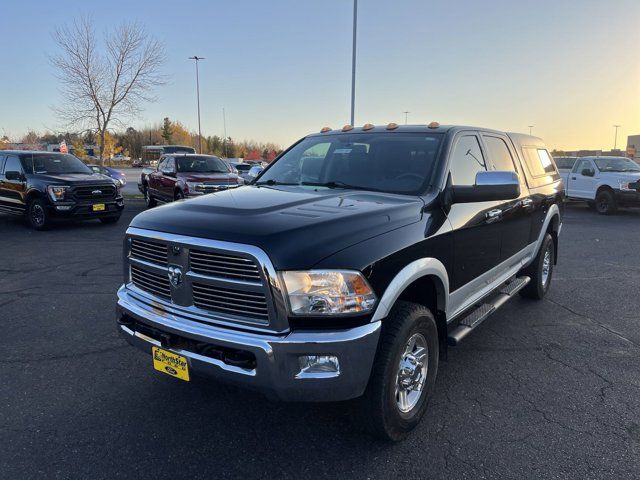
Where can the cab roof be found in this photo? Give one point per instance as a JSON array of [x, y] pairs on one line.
[[415, 128]]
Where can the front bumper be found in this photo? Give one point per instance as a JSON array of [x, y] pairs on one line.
[[84, 210], [627, 198], [275, 368]]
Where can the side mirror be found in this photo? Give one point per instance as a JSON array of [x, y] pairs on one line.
[[13, 175], [169, 173], [489, 186], [587, 172]]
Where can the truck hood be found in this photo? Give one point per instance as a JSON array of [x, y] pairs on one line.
[[75, 178], [619, 176], [209, 177], [296, 226]]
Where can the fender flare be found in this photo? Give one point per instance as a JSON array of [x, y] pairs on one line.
[[422, 267]]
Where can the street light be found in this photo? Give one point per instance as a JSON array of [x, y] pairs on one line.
[[353, 63], [530, 127], [406, 113], [615, 139], [197, 59]]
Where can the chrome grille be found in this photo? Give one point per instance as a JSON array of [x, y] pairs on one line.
[[149, 251], [151, 282], [90, 192], [230, 301], [224, 265]]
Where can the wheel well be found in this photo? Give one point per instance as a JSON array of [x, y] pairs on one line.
[[33, 194], [428, 291], [603, 188], [552, 229]]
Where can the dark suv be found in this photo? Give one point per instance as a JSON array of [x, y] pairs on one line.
[[46, 186], [348, 267]]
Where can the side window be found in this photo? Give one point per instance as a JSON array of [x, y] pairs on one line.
[[13, 164], [545, 160], [170, 165], [584, 165], [499, 154], [466, 161], [162, 163], [2, 159]]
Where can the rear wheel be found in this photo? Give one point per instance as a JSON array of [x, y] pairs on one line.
[[540, 271], [178, 195], [37, 215], [606, 203], [148, 198], [404, 372]]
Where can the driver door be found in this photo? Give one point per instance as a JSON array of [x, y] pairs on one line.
[[583, 186]]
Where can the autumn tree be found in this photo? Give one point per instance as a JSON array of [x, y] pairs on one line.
[[167, 130], [78, 148], [105, 84]]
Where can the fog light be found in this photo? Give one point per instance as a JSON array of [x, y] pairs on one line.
[[318, 366]]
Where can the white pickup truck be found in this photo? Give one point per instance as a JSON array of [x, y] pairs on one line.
[[605, 183]]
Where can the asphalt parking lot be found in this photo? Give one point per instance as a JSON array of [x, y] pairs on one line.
[[545, 389]]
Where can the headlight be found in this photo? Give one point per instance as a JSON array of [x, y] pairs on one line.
[[327, 292], [56, 193], [192, 186], [626, 186]]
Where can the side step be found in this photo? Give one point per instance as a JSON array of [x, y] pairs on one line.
[[471, 321]]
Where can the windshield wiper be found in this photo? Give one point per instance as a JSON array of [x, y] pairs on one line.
[[274, 182], [338, 184]]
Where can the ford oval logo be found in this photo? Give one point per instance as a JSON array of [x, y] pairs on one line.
[[96, 192], [175, 276], [170, 370]]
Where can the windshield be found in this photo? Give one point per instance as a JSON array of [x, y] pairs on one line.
[[53, 163], [617, 164], [201, 164], [387, 162], [178, 150]]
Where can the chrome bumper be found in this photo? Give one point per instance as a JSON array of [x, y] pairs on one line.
[[277, 367]]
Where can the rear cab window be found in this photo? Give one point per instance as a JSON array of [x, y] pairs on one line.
[[539, 167]]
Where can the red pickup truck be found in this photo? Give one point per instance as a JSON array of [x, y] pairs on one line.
[[186, 175]]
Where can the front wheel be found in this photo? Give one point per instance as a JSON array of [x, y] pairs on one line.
[[540, 271], [606, 203], [404, 372], [148, 198], [37, 215], [178, 195]]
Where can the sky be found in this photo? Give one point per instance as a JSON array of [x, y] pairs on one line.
[[282, 68]]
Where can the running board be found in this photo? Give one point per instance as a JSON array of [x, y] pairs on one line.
[[467, 324]]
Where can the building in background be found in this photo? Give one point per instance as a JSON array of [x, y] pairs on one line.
[[633, 147]]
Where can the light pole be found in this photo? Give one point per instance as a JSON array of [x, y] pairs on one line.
[[530, 127], [615, 138], [197, 59], [353, 62], [406, 114], [224, 123]]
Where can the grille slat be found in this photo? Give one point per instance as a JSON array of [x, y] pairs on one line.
[[221, 265], [154, 252], [226, 300], [151, 282]]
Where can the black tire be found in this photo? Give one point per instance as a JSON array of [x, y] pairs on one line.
[[109, 220], [178, 195], [148, 198], [540, 271], [381, 402], [606, 203], [37, 215]]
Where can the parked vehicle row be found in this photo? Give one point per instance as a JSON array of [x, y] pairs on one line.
[[605, 183], [348, 267], [47, 186], [179, 176]]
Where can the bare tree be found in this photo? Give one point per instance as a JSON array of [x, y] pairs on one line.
[[105, 85]]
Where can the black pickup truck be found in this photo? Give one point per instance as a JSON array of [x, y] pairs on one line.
[[348, 268], [47, 186]]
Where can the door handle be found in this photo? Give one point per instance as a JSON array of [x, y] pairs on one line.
[[493, 215], [573, 178], [527, 203]]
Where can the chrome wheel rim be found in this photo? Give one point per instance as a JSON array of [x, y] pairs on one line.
[[412, 373], [37, 214], [546, 267]]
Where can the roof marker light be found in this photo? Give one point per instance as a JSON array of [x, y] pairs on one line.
[[325, 129], [392, 126], [433, 125], [367, 126], [346, 128]]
